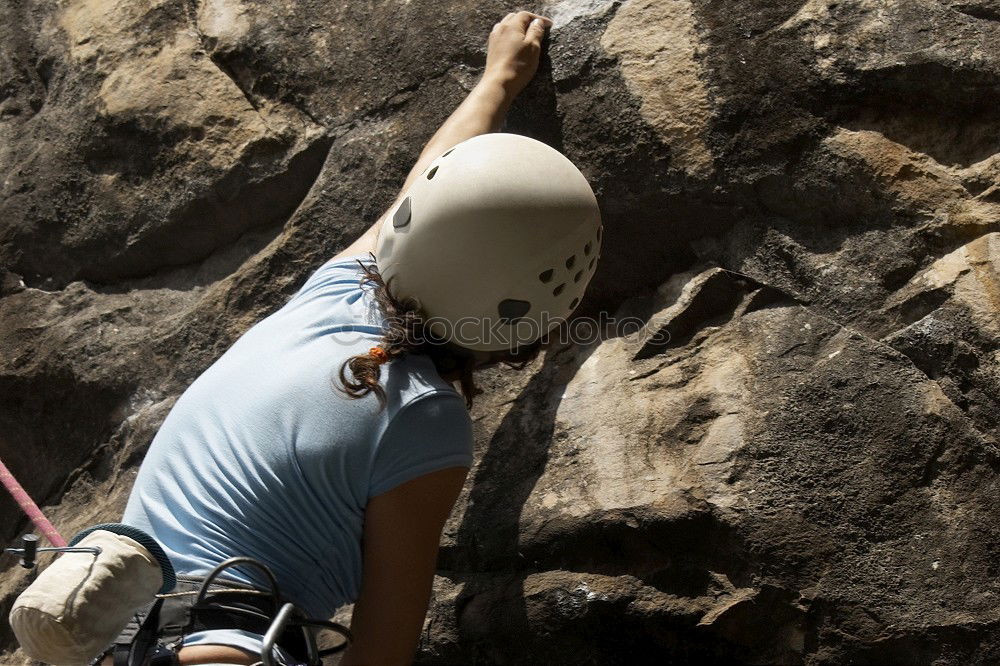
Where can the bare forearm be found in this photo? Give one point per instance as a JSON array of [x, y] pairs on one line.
[[511, 61], [481, 112]]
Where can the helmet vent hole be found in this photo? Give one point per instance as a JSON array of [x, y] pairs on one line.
[[586, 249], [576, 278], [571, 261], [558, 290], [574, 303], [592, 262], [430, 174], [401, 217], [447, 152], [546, 276], [511, 309]]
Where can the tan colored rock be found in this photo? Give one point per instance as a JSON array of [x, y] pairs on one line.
[[969, 275], [176, 83], [189, 92], [614, 463], [973, 272], [656, 42], [564, 11], [226, 22], [103, 30], [668, 435], [919, 182]]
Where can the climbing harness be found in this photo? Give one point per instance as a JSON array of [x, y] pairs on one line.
[[114, 586], [205, 603]]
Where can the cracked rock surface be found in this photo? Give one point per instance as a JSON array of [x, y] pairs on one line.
[[793, 461]]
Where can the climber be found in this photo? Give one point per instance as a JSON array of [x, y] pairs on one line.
[[342, 487]]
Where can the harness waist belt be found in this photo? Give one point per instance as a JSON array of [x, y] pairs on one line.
[[178, 616]]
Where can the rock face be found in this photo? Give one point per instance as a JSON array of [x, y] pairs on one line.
[[793, 461]]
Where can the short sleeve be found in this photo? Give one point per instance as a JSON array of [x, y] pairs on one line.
[[335, 276], [432, 433]]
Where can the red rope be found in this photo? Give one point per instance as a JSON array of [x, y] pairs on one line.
[[30, 508]]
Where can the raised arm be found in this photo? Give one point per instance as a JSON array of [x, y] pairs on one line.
[[511, 60]]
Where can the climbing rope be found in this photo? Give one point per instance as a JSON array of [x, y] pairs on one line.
[[30, 508]]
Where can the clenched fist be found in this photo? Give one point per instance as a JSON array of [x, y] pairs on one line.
[[513, 49]]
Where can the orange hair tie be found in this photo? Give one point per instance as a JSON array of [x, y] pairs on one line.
[[378, 354]]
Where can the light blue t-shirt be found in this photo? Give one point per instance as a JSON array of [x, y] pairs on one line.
[[263, 456]]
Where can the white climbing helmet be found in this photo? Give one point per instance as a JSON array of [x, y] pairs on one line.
[[496, 240]]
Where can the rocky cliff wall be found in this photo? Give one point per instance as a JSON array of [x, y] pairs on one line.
[[795, 461]]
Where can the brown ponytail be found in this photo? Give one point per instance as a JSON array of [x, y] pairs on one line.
[[404, 333]]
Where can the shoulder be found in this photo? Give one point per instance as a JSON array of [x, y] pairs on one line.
[[412, 377], [340, 273], [334, 298], [430, 433]]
